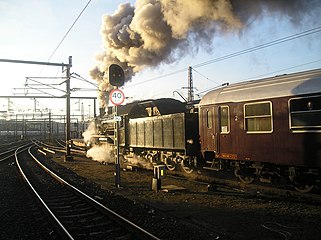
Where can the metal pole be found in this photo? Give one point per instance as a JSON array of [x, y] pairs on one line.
[[95, 108], [116, 143], [68, 156], [16, 127], [35, 62], [190, 85], [82, 116], [23, 127], [77, 128], [49, 126]]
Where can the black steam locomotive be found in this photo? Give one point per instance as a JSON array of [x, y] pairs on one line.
[[263, 129]]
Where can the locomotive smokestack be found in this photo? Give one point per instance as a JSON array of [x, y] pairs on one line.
[[102, 112], [161, 31]]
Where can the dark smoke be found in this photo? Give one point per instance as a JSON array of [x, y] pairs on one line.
[[161, 31]]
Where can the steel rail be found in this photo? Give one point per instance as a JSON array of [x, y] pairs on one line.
[[12, 150], [58, 149], [39, 197], [130, 226], [91, 199]]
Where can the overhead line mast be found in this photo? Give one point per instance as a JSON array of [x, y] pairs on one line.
[[190, 97], [68, 155]]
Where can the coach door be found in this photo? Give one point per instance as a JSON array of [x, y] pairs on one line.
[[209, 135]]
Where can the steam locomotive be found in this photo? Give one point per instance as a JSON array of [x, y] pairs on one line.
[[263, 129]]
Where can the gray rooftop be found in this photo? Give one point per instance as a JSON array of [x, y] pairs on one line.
[[279, 86]]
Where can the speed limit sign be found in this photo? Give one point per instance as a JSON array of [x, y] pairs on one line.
[[116, 97]]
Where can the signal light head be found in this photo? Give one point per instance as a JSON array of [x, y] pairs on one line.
[[116, 75]]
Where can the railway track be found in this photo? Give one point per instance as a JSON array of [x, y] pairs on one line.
[[74, 214], [59, 147], [229, 184], [8, 150], [215, 183]]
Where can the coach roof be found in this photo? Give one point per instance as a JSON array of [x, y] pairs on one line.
[[294, 84]]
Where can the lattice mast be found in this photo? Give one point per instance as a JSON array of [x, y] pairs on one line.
[[190, 97]]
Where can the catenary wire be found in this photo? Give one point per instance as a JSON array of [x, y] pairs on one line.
[[245, 51], [205, 76], [261, 46], [78, 77], [68, 30]]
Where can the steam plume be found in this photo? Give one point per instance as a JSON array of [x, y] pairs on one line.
[[102, 153], [91, 130], [161, 31]]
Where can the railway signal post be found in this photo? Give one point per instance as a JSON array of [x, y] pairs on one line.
[[116, 96]]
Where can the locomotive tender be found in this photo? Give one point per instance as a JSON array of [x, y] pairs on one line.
[[262, 129], [159, 130]]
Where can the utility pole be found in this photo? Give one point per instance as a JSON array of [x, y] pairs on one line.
[[35, 105], [82, 117], [8, 105], [68, 156], [49, 126], [190, 97], [190, 90]]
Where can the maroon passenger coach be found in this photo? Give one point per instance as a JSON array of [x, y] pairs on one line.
[[265, 129]]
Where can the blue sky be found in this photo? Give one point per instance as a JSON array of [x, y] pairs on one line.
[[31, 30]]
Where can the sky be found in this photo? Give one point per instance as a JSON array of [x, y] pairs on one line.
[[31, 30]]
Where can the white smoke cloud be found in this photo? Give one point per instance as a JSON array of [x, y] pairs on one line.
[[91, 130], [161, 31], [102, 153], [140, 162]]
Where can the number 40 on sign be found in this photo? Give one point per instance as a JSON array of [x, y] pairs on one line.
[[116, 97]]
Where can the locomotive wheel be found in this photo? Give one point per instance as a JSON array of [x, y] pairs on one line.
[[303, 188], [244, 178], [187, 165], [150, 158], [170, 163], [304, 183]]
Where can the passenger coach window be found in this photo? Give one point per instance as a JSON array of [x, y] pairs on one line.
[[305, 113], [224, 119], [209, 120], [258, 117]]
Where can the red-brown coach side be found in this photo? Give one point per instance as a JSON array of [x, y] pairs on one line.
[[265, 128]]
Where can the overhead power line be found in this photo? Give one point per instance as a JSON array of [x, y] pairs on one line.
[[155, 78], [264, 45], [235, 54], [280, 70], [83, 79], [205, 76], [68, 31]]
